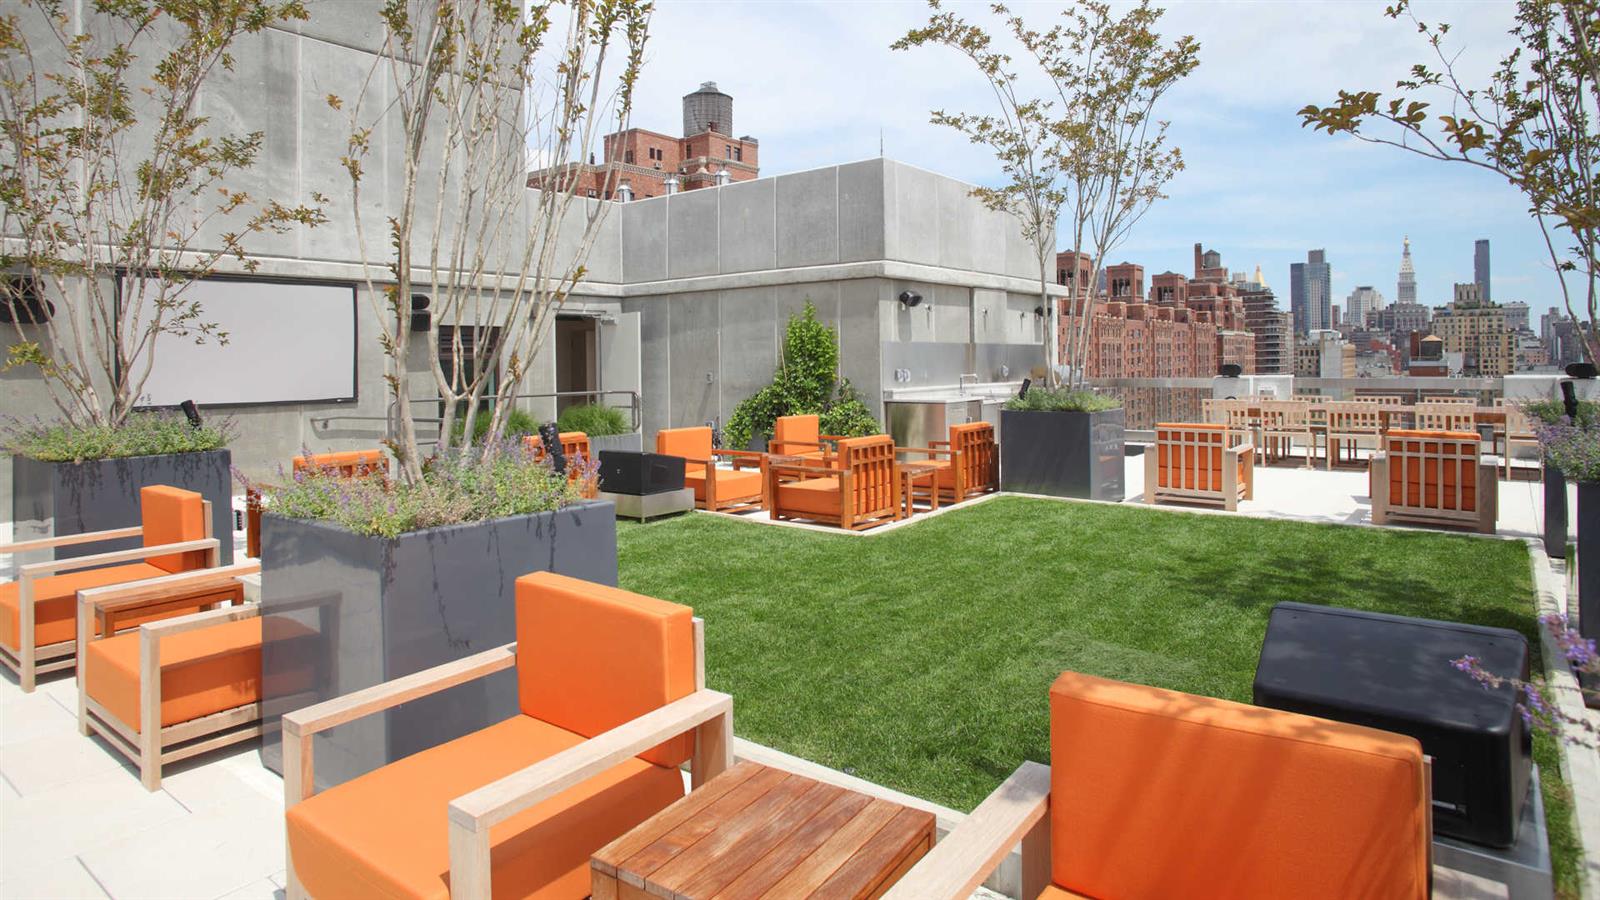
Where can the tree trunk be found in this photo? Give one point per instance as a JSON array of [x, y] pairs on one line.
[[1051, 336]]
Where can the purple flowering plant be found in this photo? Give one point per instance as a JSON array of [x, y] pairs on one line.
[[1538, 711]]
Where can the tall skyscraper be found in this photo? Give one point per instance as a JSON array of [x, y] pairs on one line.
[[1406, 290], [1311, 293], [1480, 267], [1363, 300]]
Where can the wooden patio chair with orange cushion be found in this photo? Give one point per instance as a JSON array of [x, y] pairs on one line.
[[344, 463], [1198, 463], [574, 445], [1433, 477], [859, 490], [800, 436], [1154, 794], [612, 699], [740, 488], [969, 463], [38, 611], [174, 688]]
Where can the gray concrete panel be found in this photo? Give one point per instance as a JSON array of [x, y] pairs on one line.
[[861, 210], [329, 69], [858, 338], [952, 319], [790, 299], [691, 233], [749, 346], [808, 218], [344, 23], [958, 212], [748, 232], [655, 354], [644, 240], [694, 362], [915, 205], [1022, 260], [989, 230]]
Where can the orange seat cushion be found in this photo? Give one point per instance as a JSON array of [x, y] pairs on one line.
[[731, 483], [817, 496], [1155, 793], [1055, 892], [591, 657], [172, 515], [385, 834], [55, 602], [348, 462], [204, 671]]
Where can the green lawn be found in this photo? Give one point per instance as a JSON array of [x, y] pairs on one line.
[[921, 658]]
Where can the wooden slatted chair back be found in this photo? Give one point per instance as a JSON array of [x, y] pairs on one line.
[[869, 462], [979, 456], [1353, 417], [1449, 415], [1433, 470], [346, 464], [1285, 415], [1190, 455], [1518, 422]]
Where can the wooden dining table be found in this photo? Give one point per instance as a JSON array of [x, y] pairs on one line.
[[1493, 417]]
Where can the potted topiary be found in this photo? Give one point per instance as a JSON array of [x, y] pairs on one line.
[[1062, 443], [396, 576], [72, 478]]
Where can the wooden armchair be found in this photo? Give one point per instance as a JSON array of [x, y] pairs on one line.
[[1356, 423], [1154, 793], [38, 611], [741, 488], [971, 465], [1446, 415], [801, 436], [1285, 423], [174, 688], [1198, 463], [611, 689], [859, 491], [345, 464], [574, 445], [1434, 477]]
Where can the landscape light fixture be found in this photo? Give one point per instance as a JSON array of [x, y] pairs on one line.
[[1026, 383], [191, 412], [1038, 311], [909, 299]]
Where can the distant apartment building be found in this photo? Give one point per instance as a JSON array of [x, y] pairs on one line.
[[1480, 266], [650, 164], [1517, 316], [1562, 339], [1401, 320], [1272, 328], [1477, 330], [1361, 302], [1405, 290], [1324, 353], [1311, 293], [1531, 352]]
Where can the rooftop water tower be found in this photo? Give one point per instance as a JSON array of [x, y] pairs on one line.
[[707, 109]]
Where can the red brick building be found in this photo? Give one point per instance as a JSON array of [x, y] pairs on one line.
[[649, 163]]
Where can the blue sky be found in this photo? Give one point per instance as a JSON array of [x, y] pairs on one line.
[[816, 83]]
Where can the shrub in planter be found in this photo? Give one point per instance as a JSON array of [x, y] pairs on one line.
[[518, 424], [806, 382], [71, 478], [593, 419], [396, 577], [1063, 443]]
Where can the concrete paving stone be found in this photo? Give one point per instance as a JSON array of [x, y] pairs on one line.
[[26, 717], [265, 889], [205, 855], [64, 821], [64, 879], [57, 759], [221, 777]]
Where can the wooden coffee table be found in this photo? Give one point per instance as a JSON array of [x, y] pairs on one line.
[[755, 831], [910, 474]]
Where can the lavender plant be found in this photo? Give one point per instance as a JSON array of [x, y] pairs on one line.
[[1538, 711], [140, 434]]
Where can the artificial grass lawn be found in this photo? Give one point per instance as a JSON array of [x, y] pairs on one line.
[[921, 659]]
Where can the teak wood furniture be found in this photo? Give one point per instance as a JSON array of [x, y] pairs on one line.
[[611, 690], [38, 611], [1285, 423], [968, 463], [910, 475], [755, 831], [742, 487], [173, 688], [345, 464], [1352, 423], [574, 446], [1198, 463], [1436, 477], [1154, 793], [800, 436], [860, 490]]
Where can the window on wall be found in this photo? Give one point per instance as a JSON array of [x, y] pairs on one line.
[[476, 342], [627, 156], [738, 154], [727, 151]]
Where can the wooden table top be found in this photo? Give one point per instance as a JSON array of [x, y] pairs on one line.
[[918, 469], [755, 831]]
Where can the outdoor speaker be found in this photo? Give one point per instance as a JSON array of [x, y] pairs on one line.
[[632, 472], [191, 412], [1397, 674], [909, 299], [421, 312], [1580, 370], [1230, 370]]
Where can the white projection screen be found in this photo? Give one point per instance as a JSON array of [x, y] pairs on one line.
[[288, 342]]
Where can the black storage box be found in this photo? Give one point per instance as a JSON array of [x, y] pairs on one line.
[[632, 472], [1396, 673]]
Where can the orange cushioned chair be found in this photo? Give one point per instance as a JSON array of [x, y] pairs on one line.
[[612, 697], [1434, 477], [171, 689], [574, 445], [38, 611], [1156, 794], [345, 464], [739, 488], [971, 461], [858, 491], [800, 436], [1195, 463]]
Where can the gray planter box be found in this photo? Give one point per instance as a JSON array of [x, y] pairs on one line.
[[1063, 454], [61, 498], [380, 608], [633, 441]]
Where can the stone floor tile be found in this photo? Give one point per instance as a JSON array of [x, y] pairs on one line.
[[64, 879], [64, 821], [59, 758], [220, 850]]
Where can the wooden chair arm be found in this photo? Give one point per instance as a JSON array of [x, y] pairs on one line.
[[67, 540], [165, 587], [115, 556], [803, 469], [474, 814], [150, 632], [938, 443], [1017, 811], [322, 716], [930, 451], [736, 454], [788, 442], [833, 438], [1242, 447]]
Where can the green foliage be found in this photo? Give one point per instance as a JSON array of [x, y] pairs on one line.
[[1554, 412], [1063, 400], [593, 419], [452, 490], [518, 424], [141, 434], [806, 382]]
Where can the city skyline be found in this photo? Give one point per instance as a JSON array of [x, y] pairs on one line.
[[1253, 172]]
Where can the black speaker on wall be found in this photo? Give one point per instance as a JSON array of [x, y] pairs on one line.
[[421, 312], [631, 472], [1230, 370]]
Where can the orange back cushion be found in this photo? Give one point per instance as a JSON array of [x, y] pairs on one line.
[[349, 463], [1189, 455], [171, 515], [807, 429], [591, 657], [1155, 793], [1426, 468], [690, 443]]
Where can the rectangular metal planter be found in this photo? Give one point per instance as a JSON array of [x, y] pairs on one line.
[[381, 608], [61, 498], [1063, 454], [632, 441]]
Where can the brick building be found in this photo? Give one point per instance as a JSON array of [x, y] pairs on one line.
[[650, 163]]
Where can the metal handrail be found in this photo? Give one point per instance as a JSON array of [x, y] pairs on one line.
[[635, 410]]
